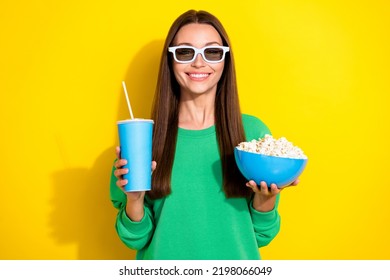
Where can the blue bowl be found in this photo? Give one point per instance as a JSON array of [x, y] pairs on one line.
[[271, 169]]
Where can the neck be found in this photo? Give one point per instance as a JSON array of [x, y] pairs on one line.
[[196, 113]]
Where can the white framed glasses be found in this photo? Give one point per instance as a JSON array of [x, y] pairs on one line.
[[187, 54]]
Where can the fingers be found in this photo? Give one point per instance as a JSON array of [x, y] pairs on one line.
[[255, 188], [118, 152], [120, 163], [121, 183], [296, 182], [263, 188], [274, 190], [154, 165], [252, 184], [119, 172], [271, 190]]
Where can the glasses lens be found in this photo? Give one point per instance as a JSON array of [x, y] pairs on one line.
[[213, 54], [184, 54]]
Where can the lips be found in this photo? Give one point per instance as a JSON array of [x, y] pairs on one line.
[[198, 76]]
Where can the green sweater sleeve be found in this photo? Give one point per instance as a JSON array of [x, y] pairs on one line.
[[266, 224], [134, 235], [254, 128]]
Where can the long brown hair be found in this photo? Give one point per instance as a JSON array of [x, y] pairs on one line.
[[228, 119]]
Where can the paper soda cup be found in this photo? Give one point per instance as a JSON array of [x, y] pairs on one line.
[[135, 138]]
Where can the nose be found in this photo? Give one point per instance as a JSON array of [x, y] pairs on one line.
[[199, 61]]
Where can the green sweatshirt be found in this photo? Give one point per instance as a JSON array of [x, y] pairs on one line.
[[196, 221]]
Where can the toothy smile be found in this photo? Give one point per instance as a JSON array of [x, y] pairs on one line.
[[198, 75]]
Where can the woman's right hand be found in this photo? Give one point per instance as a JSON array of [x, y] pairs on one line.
[[135, 200], [120, 171], [121, 182]]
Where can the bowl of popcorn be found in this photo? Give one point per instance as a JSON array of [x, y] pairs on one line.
[[271, 160]]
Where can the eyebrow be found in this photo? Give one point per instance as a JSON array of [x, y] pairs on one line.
[[189, 44]]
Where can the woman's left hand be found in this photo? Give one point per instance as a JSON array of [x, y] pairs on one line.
[[264, 198]]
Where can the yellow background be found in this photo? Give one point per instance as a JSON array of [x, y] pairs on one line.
[[315, 71]]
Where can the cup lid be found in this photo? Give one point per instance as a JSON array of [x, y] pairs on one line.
[[135, 120]]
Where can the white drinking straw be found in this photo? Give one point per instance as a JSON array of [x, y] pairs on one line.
[[128, 100]]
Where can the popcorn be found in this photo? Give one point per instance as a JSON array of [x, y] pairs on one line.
[[272, 147]]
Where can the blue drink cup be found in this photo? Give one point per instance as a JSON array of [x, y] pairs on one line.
[[135, 138]]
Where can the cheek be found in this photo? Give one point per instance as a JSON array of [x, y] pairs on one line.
[[178, 71], [218, 70]]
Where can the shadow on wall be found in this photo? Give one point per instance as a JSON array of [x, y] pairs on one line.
[[82, 211]]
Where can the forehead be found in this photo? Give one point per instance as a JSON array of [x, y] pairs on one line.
[[197, 34]]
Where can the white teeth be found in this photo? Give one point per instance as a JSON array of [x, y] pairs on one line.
[[199, 75]]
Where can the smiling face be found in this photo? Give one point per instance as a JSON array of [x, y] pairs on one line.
[[198, 77]]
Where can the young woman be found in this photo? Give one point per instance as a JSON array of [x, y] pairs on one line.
[[200, 206]]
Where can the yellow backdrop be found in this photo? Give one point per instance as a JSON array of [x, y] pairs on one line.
[[315, 71]]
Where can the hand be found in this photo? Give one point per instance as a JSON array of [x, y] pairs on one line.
[[264, 198], [135, 200], [120, 171]]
